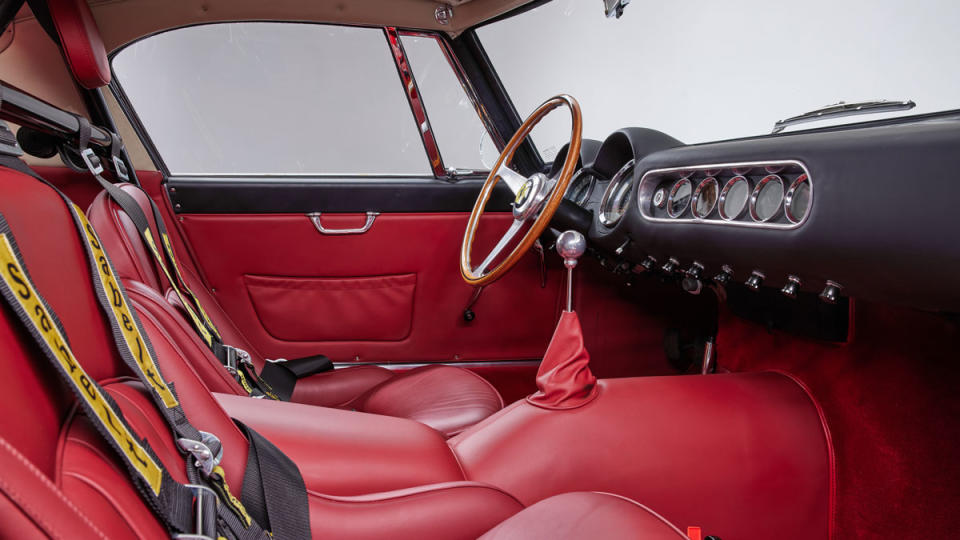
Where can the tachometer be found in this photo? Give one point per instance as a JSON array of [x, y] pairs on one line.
[[617, 196]]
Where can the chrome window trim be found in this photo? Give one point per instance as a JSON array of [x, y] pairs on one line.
[[647, 188]]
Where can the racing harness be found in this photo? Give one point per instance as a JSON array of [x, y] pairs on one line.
[[274, 500], [278, 377]]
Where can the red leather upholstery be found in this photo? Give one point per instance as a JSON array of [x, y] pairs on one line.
[[59, 480], [80, 41], [362, 453], [741, 455], [585, 515], [445, 398], [564, 380]]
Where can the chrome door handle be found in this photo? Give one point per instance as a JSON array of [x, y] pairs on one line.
[[315, 218]]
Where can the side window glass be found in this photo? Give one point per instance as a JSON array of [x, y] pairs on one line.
[[267, 98], [453, 116]]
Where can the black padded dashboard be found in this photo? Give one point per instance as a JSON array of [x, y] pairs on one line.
[[884, 221]]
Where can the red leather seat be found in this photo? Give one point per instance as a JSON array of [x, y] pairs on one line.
[[60, 480], [446, 398]]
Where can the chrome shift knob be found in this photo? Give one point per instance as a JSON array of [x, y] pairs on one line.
[[570, 246]]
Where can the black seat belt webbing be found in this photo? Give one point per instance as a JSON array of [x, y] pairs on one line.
[[171, 501]]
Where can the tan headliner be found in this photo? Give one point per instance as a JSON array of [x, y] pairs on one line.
[[123, 21]]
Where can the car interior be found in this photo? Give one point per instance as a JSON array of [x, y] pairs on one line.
[[752, 338]]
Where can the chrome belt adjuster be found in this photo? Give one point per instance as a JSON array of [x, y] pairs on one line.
[[201, 451]]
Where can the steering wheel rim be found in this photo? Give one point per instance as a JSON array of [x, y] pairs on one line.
[[536, 197]]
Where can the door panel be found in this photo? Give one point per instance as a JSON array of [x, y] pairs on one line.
[[239, 253]]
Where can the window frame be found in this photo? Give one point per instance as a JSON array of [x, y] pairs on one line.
[[394, 46]]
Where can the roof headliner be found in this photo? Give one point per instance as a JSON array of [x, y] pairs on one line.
[[123, 21]]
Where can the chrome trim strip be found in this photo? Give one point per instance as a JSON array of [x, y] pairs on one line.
[[412, 365], [412, 91], [646, 189]]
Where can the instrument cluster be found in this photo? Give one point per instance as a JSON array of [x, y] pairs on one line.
[[771, 194]]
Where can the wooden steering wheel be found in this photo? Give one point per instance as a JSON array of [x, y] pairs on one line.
[[535, 198]]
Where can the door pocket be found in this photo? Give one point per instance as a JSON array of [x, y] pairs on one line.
[[378, 308]]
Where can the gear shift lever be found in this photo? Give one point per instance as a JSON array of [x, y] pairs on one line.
[[570, 245]]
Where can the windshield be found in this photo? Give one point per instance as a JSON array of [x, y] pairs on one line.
[[702, 70]]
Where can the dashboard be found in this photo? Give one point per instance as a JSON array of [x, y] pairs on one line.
[[865, 211]]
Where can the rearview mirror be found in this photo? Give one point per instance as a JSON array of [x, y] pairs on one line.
[[614, 8]]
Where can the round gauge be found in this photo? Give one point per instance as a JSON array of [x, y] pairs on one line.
[[616, 197], [705, 197], [797, 201], [734, 198], [581, 187], [679, 198], [767, 199], [660, 198]]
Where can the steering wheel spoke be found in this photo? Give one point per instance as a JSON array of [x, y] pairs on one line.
[[511, 178], [515, 227]]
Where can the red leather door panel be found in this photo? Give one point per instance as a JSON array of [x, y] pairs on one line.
[[515, 317]]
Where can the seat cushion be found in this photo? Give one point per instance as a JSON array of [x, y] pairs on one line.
[[446, 398], [585, 515]]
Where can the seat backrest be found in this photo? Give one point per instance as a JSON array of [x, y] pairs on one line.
[[133, 262], [40, 421]]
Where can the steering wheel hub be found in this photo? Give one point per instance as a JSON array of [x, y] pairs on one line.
[[530, 197]]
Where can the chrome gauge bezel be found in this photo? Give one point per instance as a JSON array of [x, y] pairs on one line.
[[788, 198], [625, 174], [725, 192], [671, 211], [589, 192], [764, 183], [654, 179], [695, 198]]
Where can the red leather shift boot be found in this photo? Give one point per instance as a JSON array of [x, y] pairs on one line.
[[564, 378]]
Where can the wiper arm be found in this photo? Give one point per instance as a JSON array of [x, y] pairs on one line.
[[845, 109]]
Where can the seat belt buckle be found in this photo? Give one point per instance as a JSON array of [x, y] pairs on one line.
[[204, 500], [201, 451], [92, 161], [233, 357]]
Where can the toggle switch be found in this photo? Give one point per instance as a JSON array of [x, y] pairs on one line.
[[793, 285], [725, 275], [831, 293], [755, 280], [670, 266]]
